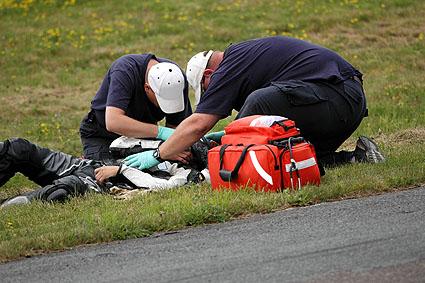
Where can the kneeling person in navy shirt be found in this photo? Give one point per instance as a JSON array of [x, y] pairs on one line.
[[138, 91]]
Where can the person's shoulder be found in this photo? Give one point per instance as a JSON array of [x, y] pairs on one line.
[[278, 39], [132, 58], [129, 61], [259, 40]]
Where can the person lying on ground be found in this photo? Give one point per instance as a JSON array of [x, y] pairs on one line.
[[61, 175]]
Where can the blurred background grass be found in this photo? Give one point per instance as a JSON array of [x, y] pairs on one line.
[[54, 53]]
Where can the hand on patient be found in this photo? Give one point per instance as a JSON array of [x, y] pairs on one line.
[[103, 173], [183, 157], [141, 160]]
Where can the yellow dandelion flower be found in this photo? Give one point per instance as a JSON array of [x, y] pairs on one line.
[[70, 2]]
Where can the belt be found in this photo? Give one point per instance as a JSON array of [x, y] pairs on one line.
[[357, 79]]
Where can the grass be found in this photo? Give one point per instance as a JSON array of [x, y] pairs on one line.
[[54, 54]]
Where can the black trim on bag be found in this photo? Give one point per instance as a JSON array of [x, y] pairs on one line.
[[284, 142], [226, 175]]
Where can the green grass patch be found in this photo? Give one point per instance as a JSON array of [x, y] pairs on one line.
[[54, 54], [41, 227]]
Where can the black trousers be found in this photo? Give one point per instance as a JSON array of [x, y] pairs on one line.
[[95, 138], [60, 175], [326, 113]]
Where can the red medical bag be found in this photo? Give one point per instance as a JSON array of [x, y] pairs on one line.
[[272, 158]]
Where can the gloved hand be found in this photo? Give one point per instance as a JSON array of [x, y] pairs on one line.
[[164, 133], [215, 136], [141, 160]]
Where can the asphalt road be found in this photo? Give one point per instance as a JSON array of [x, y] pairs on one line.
[[379, 239]]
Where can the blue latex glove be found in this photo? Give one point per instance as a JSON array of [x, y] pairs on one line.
[[164, 133], [215, 136], [141, 160]]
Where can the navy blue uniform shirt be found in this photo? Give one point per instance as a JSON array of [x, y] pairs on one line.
[[123, 87], [254, 64]]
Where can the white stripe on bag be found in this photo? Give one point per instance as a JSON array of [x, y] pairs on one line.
[[301, 164], [260, 169]]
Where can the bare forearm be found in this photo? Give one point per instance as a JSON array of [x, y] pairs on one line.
[[118, 122], [129, 127], [187, 133]]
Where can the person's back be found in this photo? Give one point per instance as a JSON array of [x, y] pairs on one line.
[[256, 63], [284, 58]]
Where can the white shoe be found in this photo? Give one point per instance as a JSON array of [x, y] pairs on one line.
[[15, 201]]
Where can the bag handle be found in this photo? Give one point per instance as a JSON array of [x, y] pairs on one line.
[[293, 162], [226, 175], [282, 124]]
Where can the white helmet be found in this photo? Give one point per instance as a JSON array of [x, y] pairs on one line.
[[195, 70], [167, 82]]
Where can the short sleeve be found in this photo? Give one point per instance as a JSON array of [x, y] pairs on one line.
[[121, 88]]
